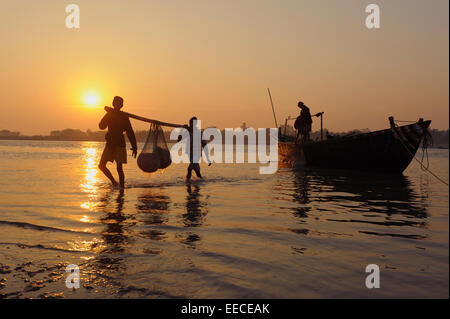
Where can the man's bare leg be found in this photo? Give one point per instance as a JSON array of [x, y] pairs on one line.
[[105, 170], [189, 172], [197, 171], [121, 175]]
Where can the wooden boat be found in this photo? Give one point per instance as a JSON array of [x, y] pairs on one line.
[[386, 151]]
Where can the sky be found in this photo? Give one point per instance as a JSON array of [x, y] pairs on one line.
[[215, 59]]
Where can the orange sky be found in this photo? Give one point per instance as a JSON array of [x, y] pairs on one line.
[[215, 59]]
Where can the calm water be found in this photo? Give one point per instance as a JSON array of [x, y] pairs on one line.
[[238, 234]]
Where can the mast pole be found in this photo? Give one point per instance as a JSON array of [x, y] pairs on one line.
[[273, 110], [321, 126]]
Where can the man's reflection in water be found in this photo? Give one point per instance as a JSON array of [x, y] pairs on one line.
[[153, 208], [195, 208], [104, 268], [196, 212], [114, 234]]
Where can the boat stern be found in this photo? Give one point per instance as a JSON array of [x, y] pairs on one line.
[[290, 155]]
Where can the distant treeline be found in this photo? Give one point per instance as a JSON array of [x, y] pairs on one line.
[[68, 134], [440, 137], [79, 135]]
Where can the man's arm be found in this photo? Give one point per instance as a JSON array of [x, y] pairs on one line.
[[206, 151], [104, 122], [131, 137]]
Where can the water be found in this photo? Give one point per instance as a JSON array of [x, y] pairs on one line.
[[238, 234]]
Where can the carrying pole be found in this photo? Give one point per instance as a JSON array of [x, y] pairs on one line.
[[273, 110], [144, 119]]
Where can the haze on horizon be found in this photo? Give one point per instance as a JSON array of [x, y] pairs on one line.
[[173, 59]]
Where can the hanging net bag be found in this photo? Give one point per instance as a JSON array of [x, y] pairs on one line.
[[155, 153]]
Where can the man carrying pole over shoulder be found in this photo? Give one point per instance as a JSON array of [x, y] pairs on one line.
[[115, 148]]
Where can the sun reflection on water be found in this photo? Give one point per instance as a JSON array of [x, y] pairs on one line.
[[90, 182], [84, 219], [85, 245], [91, 179]]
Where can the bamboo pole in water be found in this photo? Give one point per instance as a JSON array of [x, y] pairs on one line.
[[144, 119]]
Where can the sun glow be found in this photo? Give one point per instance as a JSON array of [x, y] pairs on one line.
[[91, 99]]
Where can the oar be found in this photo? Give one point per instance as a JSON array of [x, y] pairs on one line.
[[144, 119]]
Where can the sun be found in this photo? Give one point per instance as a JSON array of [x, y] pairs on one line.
[[91, 99]]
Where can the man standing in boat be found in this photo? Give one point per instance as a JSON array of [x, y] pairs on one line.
[[303, 123], [115, 149]]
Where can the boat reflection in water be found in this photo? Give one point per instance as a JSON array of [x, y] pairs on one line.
[[384, 205]]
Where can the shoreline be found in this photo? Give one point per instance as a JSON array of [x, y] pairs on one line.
[[52, 139]]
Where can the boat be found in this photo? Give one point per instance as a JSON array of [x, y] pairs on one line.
[[385, 151]]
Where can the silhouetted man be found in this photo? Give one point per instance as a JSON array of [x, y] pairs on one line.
[[303, 123], [193, 153], [115, 150]]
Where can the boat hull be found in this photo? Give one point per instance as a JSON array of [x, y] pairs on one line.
[[385, 151]]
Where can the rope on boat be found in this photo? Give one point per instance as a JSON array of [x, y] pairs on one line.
[[427, 141], [405, 121]]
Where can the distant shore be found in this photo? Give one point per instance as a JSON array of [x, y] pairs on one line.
[[440, 137], [50, 138]]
